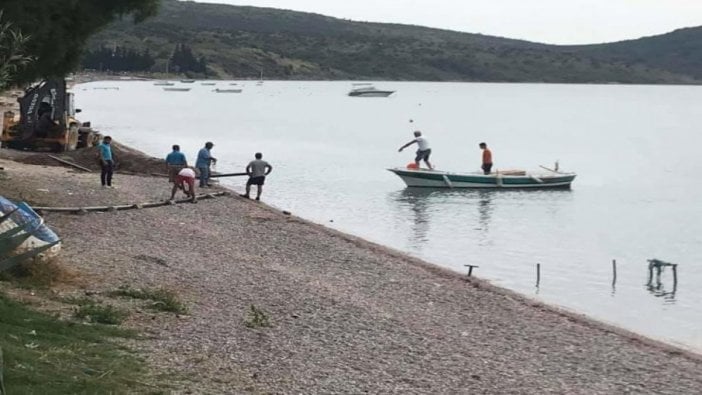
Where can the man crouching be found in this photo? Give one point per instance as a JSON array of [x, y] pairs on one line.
[[185, 177]]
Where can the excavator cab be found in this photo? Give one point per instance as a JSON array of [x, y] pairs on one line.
[[46, 121]]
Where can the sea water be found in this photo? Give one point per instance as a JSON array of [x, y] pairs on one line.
[[636, 150]]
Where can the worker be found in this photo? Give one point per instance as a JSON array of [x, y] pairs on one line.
[[423, 150], [185, 177], [107, 164], [487, 159], [257, 170], [204, 160], [175, 162]]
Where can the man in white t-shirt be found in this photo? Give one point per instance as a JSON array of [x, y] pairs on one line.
[[423, 151], [185, 177]]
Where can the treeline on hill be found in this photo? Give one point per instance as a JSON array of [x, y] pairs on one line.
[[121, 59], [240, 41], [118, 59]]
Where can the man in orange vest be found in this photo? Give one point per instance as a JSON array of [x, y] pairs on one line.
[[487, 159]]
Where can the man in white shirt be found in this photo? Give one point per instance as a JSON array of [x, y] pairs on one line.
[[185, 177], [423, 151]]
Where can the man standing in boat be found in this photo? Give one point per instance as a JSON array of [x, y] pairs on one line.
[[204, 160], [487, 159], [423, 151]]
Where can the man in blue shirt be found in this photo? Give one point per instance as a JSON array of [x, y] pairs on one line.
[[204, 160], [175, 162], [107, 165]]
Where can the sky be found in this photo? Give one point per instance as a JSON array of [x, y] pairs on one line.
[[546, 21]]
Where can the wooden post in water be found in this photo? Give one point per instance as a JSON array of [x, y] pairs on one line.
[[675, 277], [614, 272], [470, 269], [538, 274]]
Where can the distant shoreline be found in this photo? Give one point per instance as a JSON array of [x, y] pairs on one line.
[[87, 77]]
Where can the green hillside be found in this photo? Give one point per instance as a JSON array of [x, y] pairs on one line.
[[237, 42]]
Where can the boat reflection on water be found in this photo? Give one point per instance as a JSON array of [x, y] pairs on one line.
[[471, 209], [422, 203]]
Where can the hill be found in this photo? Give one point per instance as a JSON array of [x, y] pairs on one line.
[[237, 42]]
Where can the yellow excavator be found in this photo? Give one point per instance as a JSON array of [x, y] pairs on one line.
[[46, 121]]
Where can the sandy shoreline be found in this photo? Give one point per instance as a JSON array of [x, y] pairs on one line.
[[348, 316]]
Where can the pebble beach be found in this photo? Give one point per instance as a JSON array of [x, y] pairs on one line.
[[346, 315]]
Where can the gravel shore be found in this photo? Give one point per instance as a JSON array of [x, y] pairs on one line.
[[347, 316]]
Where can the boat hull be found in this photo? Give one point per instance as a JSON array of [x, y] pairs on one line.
[[23, 230], [440, 179], [371, 94]]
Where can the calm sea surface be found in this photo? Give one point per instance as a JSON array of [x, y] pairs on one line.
[[636, 150]]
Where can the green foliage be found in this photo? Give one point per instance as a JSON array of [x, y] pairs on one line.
[[12, 55], [161, 299], [257, 318], [44, 355], [241, 41], [117, 59], [184, 61], [100, 314], [59, 30]]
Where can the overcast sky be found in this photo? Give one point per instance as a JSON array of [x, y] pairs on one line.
[[548, 21]]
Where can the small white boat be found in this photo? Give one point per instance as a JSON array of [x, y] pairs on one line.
[[208, 83], [227, 90], [368, 90], [512, 179], [176, 89], [163, 83]]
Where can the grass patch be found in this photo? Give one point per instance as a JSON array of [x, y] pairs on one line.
[[43, 355], [100, 314], [161, 299], [257, 318], [34, 274]]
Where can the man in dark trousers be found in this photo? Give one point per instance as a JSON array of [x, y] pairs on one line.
[[487, 159], [257, 170], [175, 162], [204, 160], [107, 164], [423, 149]]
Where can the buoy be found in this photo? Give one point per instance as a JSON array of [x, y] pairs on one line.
[[412, 166]]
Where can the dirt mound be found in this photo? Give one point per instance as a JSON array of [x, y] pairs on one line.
[[126, 159]]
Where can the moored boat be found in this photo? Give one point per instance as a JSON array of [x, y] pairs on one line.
[[163, 83], [176, 89], [227, 90], [497, 180], [187, 81], [368, 90]]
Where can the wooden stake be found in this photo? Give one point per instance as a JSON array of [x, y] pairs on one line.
[[65, 162], [538, 274], [614, 272], [675, 276]]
